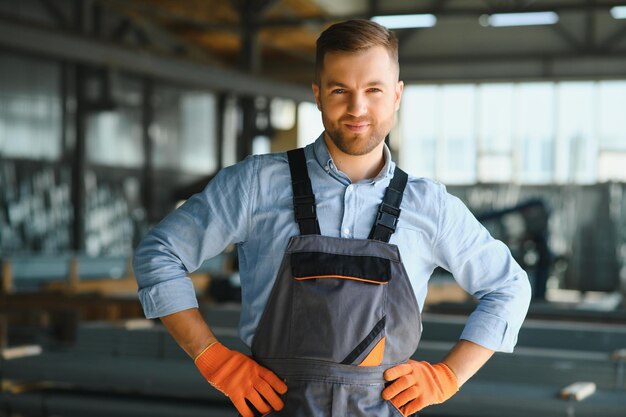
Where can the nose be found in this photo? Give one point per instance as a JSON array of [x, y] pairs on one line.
[[357, 106]]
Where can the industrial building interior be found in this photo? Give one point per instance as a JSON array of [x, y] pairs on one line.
[[114, 112]]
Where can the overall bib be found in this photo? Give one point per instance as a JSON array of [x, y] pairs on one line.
[[341, 312]]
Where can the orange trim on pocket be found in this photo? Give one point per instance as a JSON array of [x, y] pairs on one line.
[[375, 357], [342, 277]]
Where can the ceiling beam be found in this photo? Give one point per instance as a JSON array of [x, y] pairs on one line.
[[567, 64], [26, 37], [454, 11], [614, 39], [437, 8], [573, 67], [511, 57], [564, 34], [405, 34], [590, 24], [121, 30], [53, 10]]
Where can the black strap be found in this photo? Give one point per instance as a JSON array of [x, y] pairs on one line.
[[303, 197], [389, 209]]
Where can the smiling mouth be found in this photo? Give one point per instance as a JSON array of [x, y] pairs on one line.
[[357, 127]]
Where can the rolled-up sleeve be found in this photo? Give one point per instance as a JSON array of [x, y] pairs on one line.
[[198, 230], [485, 268]]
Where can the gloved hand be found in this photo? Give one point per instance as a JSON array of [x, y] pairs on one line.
[[241, 378], [418, 385]]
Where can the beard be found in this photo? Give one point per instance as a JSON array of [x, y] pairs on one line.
[[356, 144]]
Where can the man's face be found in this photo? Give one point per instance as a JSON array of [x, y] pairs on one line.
[[358, 95]]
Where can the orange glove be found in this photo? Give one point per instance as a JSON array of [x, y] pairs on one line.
[[240, 378], [418, 385]]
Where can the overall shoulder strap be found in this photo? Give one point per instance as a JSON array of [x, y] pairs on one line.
[[303, 197], [389, 209]]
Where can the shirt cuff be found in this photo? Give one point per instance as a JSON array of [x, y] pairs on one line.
[[489, 331], [168, 297]]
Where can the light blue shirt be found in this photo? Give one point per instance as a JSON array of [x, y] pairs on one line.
[[251, 204]]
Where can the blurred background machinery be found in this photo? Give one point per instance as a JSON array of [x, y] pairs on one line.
[[114, 112]]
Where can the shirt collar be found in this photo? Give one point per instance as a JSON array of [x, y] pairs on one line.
[[326, 161]]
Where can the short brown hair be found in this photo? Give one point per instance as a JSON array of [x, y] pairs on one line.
[[354, 36]]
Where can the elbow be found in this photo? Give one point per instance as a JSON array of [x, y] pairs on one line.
[[140, 264], [524, 291], [526, 287]]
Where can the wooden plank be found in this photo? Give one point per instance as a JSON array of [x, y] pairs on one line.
[[129, 268], [88, 306], [7, 277], [74, 276], [578, 391], [619, 355], [17, 388], [4, 331], [123, 286], [17, 352], [138, 324], [445, 291]]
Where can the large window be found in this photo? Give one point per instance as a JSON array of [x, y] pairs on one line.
[[612, 110], [419, 129], [531, 133], [30, 108], [184, 131], [457, 160], [309, 123], [114, 138], [535, 131], [576, 138], [495, 133]]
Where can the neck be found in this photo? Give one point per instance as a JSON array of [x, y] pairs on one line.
[[357, 167]]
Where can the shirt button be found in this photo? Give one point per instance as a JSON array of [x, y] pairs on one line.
[[349, 188], [346, 231]]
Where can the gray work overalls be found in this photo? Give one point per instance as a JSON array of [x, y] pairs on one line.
[[341, 312]]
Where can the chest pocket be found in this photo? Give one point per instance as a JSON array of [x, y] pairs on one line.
[[338, 306]]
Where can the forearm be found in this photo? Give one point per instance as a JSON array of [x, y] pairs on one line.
[[190, 331], [466, 358]]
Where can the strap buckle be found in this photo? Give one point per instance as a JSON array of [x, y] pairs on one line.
[[388, 216], [305, 212], [304, 207], [303, 200], [387, 220]]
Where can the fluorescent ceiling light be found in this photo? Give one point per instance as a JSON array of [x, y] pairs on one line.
[[618, 12], [406, 21], [519, 19]]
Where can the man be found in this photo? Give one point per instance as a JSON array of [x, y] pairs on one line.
[[336, 245]]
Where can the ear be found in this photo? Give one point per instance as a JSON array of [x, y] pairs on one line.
[[316, 93], [398, 97]]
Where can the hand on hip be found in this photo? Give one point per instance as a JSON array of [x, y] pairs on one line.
[[419, 384], [241, 378]]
